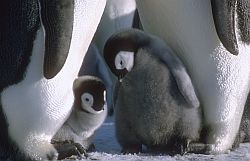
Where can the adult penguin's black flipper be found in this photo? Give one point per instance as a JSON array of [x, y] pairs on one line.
[[228, 15], [57, 19], [224, 20]]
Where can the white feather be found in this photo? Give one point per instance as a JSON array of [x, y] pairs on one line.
[[124, 60]]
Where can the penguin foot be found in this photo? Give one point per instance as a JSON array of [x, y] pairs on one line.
[[199, 148], [91, 148], [68, 149], [180, 147], [213, 149], [132, 149], [184, 147], [176, 146]]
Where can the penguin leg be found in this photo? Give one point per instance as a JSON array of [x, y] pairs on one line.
[[128, 141], [183, 146], [178, 146], [127, 138], [131, 149]]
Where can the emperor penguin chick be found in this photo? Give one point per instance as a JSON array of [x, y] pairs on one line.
[[88, 113], [154, 100]]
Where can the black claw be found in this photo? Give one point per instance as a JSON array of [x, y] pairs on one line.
[[132, 149], [91, 148], [184, 147], [52, 156], [81, 150], [181, 147]]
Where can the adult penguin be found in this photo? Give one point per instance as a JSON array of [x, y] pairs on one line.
[[212, 39], [42, 46]]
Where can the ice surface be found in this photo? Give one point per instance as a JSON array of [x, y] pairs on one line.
[[107, 149]]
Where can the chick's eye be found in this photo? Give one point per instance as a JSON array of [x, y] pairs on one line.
[[124, 60], [121, 63], [87, 99]]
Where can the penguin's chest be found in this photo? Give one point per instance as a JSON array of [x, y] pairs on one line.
[[36, 109], [147, 90], [188, 28], [149, 106], [36, 104]]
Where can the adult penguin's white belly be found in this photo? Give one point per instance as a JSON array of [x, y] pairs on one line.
[[118, 14], [220, 78], [37, 106]]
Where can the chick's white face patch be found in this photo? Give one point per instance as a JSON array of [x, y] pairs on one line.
[[124, 60], [87, 100], [104, 95]]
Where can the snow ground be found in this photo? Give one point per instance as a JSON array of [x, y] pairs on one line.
[[107, 149]]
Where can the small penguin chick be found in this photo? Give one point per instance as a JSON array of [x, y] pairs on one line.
[[154, 100], [88, 113]]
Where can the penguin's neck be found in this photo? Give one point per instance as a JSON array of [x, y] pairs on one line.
[[85, 123]]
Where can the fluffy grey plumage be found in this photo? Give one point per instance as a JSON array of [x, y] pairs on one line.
[[149, 107]]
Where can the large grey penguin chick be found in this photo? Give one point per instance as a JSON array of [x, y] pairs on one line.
[[154, 100], [88, 113]]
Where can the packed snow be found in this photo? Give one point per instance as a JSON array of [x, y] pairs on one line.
[[107, 149]]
